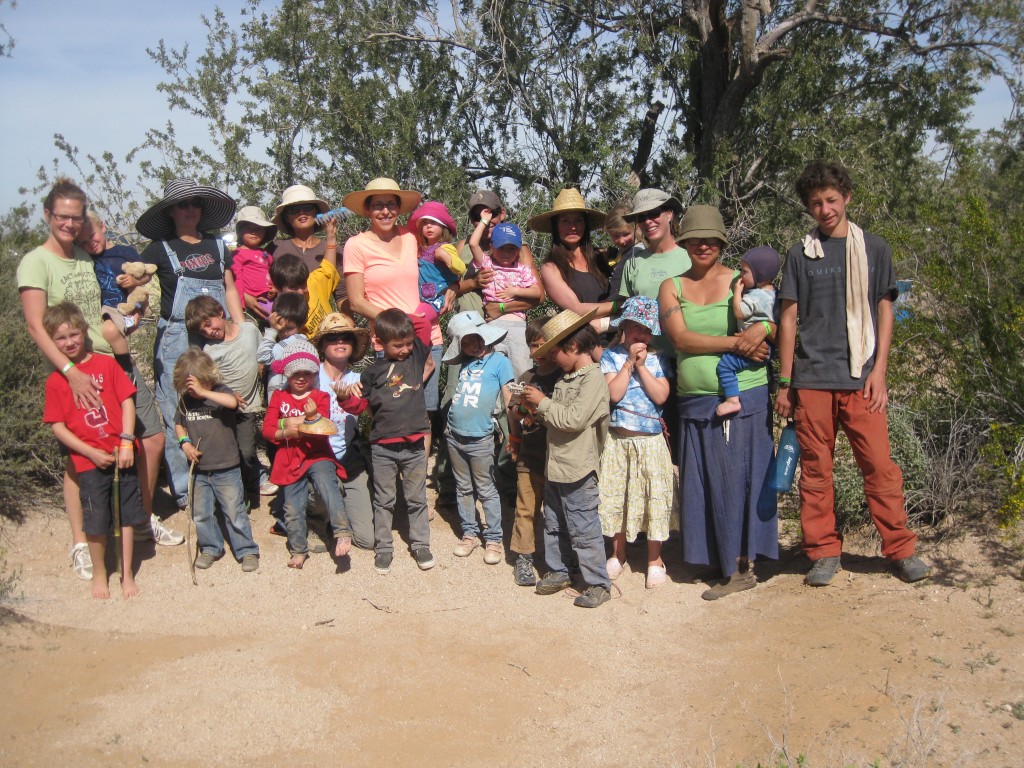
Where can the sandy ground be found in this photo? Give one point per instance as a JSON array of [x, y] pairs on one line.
[[458, 666]]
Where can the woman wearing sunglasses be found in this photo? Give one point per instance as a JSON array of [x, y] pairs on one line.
[[191, 261], [295, 218]]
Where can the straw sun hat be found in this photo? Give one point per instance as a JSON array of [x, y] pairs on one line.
[[339, 322], [561, 325], [356, 201], [568, 201]]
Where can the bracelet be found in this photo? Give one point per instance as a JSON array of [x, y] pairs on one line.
[[67, 367], [785, 380], [501, 306], [767, 327], [615, 307], [128, 445], [331, 245], [182, 440], [127, 438], [280, 424]]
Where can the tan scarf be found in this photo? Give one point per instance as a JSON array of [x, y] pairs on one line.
[[860, 331]]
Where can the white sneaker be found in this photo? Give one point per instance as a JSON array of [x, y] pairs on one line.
[[81, 561], [268, 489], [156, 531]]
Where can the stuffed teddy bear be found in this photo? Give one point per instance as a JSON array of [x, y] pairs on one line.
[[139, 295]]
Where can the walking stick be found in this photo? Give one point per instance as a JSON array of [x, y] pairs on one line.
[[117, 519], [192, 518]]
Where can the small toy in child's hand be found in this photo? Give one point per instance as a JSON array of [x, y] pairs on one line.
[[318, 426], [516, 389]]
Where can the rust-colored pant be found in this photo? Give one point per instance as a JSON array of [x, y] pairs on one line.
[[819, 413], [529, 519]]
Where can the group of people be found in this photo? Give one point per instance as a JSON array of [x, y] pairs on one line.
[[640, 408]]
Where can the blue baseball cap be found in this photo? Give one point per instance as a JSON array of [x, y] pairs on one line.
[[506, 234]]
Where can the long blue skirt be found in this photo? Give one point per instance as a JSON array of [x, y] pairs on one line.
[[729, 509]]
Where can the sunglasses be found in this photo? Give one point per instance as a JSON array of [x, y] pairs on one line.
[[652, 214], [192, 202], [695, 242], [301, 208], [339, 338]]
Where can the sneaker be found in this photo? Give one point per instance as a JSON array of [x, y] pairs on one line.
[[738, 582], [592, 597], [465, 547], [268, 489], [250, 563], [552, 582], [424, 558], [911, 569], [315, 546], [822, 571], [205, 560], [156, 531], [382, 562], [493, 553], [525, 577], [81, 561]]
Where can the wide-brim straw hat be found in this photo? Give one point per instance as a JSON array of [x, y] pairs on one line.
[[469, 323], [703, 221], [558, 327], [651, 199], [294, 195], [568, 201], [218, 208], [356, 201], [253, 214], [339, 322]]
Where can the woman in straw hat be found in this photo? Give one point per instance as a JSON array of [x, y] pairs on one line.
[[191, 261], [295, 218], [342, 344], [728, 511], [572, 274]]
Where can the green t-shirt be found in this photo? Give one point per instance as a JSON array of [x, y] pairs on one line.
[[645, 272], [71, 280], [697, 373]]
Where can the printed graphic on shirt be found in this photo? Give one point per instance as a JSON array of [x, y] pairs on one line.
[[197, 262], [395, 382]]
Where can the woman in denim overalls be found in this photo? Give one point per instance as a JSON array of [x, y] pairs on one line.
[[189, 264]]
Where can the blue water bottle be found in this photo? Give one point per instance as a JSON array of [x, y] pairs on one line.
[[785, 459], [336, 213]]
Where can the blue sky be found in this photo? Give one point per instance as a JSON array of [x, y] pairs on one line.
[[81, 69]]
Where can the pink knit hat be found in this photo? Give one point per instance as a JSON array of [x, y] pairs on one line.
[[302, 356], [433, 211]]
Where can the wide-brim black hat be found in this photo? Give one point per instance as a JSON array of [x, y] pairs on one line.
[[218, 210]]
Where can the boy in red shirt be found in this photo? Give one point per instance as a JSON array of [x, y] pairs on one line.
[[96, 439]]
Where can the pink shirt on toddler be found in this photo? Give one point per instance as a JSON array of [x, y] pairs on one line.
[[519, 275], [251, 268]]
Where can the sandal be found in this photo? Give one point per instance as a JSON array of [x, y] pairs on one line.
[[614, 568], [656, 575]]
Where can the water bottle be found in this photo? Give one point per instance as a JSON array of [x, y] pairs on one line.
[[336, 213], [786, 459]]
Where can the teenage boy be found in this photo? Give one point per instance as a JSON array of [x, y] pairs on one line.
[[838, 287]]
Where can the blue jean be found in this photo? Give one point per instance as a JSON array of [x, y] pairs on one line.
[[223, 486], [394, 463], [324, 476], [571, 523], [472, 461]]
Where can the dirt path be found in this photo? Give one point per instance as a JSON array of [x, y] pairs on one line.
[[458, 666]]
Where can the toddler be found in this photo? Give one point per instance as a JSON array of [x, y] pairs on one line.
[[512, 280], [392, 388], [484, 376], [302, 457], [439, 262], [96, 438], [575, 416], [204, 424], [753, 301], [251, 263], [638, 489]]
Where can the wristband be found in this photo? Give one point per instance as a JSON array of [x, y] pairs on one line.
[[615, 307], [67, 367], [183, 440], [767, 327], [128, 445], [785, 381], [127, 438], [501, 306], [280, 424]]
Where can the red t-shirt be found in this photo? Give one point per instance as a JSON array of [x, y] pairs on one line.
[[98, 427], [295, 455]]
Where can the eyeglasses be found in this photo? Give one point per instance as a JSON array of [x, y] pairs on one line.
[[192, 202], [381, 205], [695, 242], [300, 208], [646, 216], [61, 218]]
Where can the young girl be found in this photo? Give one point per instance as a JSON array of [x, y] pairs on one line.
[[204, 423], [483, 378], [303, 457], [624, 246], [574, 416], [636, 468], [512, 280], [251, 264], [439, 262]]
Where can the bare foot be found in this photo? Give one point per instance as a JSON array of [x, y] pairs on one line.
[[298, 561], [343, 547], [100, 590], [129, 588], [730, 406]]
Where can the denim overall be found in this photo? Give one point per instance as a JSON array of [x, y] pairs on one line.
[[171, 341]]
